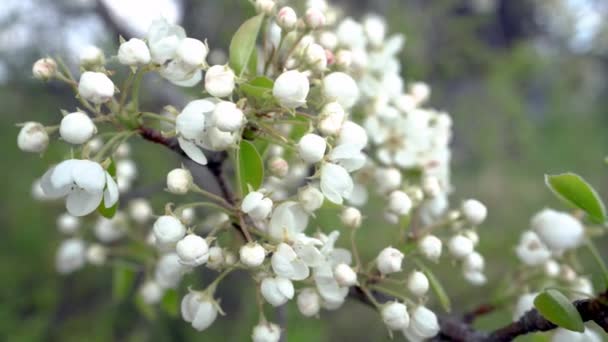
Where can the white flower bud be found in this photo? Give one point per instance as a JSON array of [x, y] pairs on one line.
[[287, 18], [309, 302], [332, 117], [168, 230], [199, 310], [68, 224], [227, 117], [310, 198], [431, 186], [420, 91], [345, 275], [140, 210], [192, 250], [316, 56], [387, 179], [474, 211], [256, 205], [567, 274], [33, 138], [430, 247], [179, 181], [192, 52], [95, 87], [291, 88], [216, 258], [96, 254], [351, 217], [375, 29], [314, 18], [252, 255], [278, 167], [389, 260], [531, 250], [399, 203], [77, 128], [551, 268], [265, 6], [423, 323], [188, 214], [473, 262], [311, 148], [71, 256], [344, 59], [328, 40], [460, 246], [418, 283], [475, 278], [151, 292], [472, 235], [266, 332], [340, 87], [110, 230], [44, 68], [558, 230], [91, 56], [277, 291], [523, 305], [134, 52], [395, 316], [219, 81]]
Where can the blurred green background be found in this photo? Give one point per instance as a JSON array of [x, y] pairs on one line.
[[524, 80]]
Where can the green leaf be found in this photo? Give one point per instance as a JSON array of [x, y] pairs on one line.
[[170, 303], [259, 88], [556, 308], [122, 281], [439, 291], [574, 190], [250, 167], [243, 53]]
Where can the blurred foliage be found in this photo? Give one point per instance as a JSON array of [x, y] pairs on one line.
[[520, 110]]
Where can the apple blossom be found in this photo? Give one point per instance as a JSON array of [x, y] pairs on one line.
[[559, 231], [257, 205], [389, 260], [287, 18], [33, 138], [474, 211], [44, 68], [351, 217], [266, 332], [291, 89], [179, 181], [460, 246], [151, 292], [309, 302], [252, 255], [71, 256], [310, 198], [277, 291], [77, 128], [418, 283], [345, 275], [430, 247], [168, 230], [95, 87], [199, 310], [219, 81], [395, 316], [134, 52], [340, 87], [192, 250]]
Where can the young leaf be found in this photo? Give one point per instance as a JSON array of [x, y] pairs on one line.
[[574, 190], [122, 281], [170, 303], [439, 291], [243, 54], [250, 167], [259, 88], [556, 308]]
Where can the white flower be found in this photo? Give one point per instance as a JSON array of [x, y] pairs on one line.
[[473, 262], [33, 138], [336, 183], [95, 87], [351, 217], [331, 118], [110, 230], [395, 316], [68, 224], [216, 258], [418, 283], [310, 198], [277, 291], [179, 181], [311, 148], [265, 6], [163, 39], [228, 117], [399, 203], [531, 250], [460, 246], [192, 52], [309, 302], [278, 167], [524, 304], [291, 88], [389, 260], [191, 125], [181, 74], [44, 68], [134, 52], [84, 182], [432, 187], [77, 128], [344, 59], [96, 254], [287, 220], [266, 332], [169, 271], [287, 18], [340, 87], [199, 310], [151, 292], [375, 29], [140, 210], [474, 211], [219, 81], [252, 254], [420, 91], [168, 230], [71, 256], [423, 324], [387, 179], [192, 250], [316, 57], [433, 209], [551, 268], [430, 247], [257, 205], [349, 156], [287, 264], [476, 278], [345, 275], [350, 33], [558, 230], [564, 335], [314, 18], [91, 56]]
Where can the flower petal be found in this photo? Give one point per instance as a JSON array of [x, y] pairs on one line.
[[89, 175], [62, 175], [336, 183], [49, 189], [192, 151], [81, 202], [110, 195]]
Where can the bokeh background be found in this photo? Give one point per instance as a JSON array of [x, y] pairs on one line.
[[524, 80]]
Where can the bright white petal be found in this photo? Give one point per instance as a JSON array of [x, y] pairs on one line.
[[62, 174], [81, 203], [309, 254], [49, 189], [336, 183], [189, 82], [89, 175], [192, 151], [285, 287], [110, 195], [251, 201]]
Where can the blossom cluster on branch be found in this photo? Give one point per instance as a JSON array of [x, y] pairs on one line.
[[312, 113]]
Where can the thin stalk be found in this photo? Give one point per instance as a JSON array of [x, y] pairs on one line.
[[210, 195]]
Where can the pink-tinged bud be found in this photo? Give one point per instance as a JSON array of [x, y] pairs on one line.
[[314, 18]]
